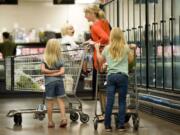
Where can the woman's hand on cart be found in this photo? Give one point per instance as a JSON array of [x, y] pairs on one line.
[[88, 45], [89, 42], [97, 46]]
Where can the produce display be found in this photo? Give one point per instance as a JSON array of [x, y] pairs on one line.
[[24, 81]]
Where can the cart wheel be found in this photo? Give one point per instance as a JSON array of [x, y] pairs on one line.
[[135, 122], [35, 116], [95, 123], [41, 116], [74, 116], [17, 119], [116, 120], [84, 118]]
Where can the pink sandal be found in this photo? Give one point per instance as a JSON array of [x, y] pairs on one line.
[[63, 123], [51, 125]]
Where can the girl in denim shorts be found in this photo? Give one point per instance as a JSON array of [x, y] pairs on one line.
[[53, 70]]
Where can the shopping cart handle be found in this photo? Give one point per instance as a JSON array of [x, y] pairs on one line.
[[11, 113]]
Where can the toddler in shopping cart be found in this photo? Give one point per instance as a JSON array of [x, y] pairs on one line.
[[116, 56], [68, 42], [53, 70]]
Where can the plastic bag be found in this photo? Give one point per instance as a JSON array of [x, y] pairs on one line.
[[68, 84]]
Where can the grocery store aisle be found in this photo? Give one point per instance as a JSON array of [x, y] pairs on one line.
[[149, 125]]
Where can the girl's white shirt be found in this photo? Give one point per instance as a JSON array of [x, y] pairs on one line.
[[69, 44], [70, 41]]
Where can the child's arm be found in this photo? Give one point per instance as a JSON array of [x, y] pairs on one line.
[[44, 70], [132, 46], [58, 73], [100, 57]]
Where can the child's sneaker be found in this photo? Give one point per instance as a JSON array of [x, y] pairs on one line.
[[121, 129], [105, 83], [108, 129]]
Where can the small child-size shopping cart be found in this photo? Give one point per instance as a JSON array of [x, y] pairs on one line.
[[28, 77]]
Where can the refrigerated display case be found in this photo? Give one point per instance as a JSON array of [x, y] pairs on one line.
[[29, 48]]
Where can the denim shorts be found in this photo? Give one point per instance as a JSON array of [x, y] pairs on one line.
[[55, 90]]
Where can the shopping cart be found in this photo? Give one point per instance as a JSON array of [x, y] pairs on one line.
[[27, 69], [131, 100]]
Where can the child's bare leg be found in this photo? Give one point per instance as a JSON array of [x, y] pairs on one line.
[[61, 104], [62, 108], [49, 110]]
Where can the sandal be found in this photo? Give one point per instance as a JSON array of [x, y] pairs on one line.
[[63, 123], [51, 125]]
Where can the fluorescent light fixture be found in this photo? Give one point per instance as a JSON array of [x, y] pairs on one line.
[[86, 1]]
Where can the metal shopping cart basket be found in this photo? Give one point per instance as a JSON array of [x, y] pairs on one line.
[[28, 77], [131, 100]]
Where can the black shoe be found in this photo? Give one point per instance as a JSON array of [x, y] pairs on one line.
[[108, 129], [121, 129]]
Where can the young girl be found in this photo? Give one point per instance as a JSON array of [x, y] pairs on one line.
[[53, 70], [68, 41], [116, 56], [67, 32]]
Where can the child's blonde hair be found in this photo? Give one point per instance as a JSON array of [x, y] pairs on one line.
[[117, 43], [64, 29], [96, 10], [52, 52]]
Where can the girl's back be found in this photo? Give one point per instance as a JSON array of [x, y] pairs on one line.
[[116, 65], [53, 60]]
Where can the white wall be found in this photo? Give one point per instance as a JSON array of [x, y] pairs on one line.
[[40, 15]]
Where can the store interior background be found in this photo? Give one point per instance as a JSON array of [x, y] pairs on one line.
[[42, 15], [157, 70]]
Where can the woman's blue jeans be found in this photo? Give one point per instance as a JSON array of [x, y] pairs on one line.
[[116, 82]]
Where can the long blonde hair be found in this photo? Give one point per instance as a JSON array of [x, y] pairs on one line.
[[96, 10], [117, 43], [52, 52]]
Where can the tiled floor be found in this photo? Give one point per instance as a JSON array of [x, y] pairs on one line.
[[149, 125]]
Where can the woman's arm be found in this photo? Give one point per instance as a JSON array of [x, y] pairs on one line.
[[58, 73], [44, 70], [99, 56]]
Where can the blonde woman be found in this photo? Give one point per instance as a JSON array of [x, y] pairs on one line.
[[100, 31], [116, 56], [53, 70]]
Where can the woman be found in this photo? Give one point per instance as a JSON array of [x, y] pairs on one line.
[[100, 31], [116, 56]]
